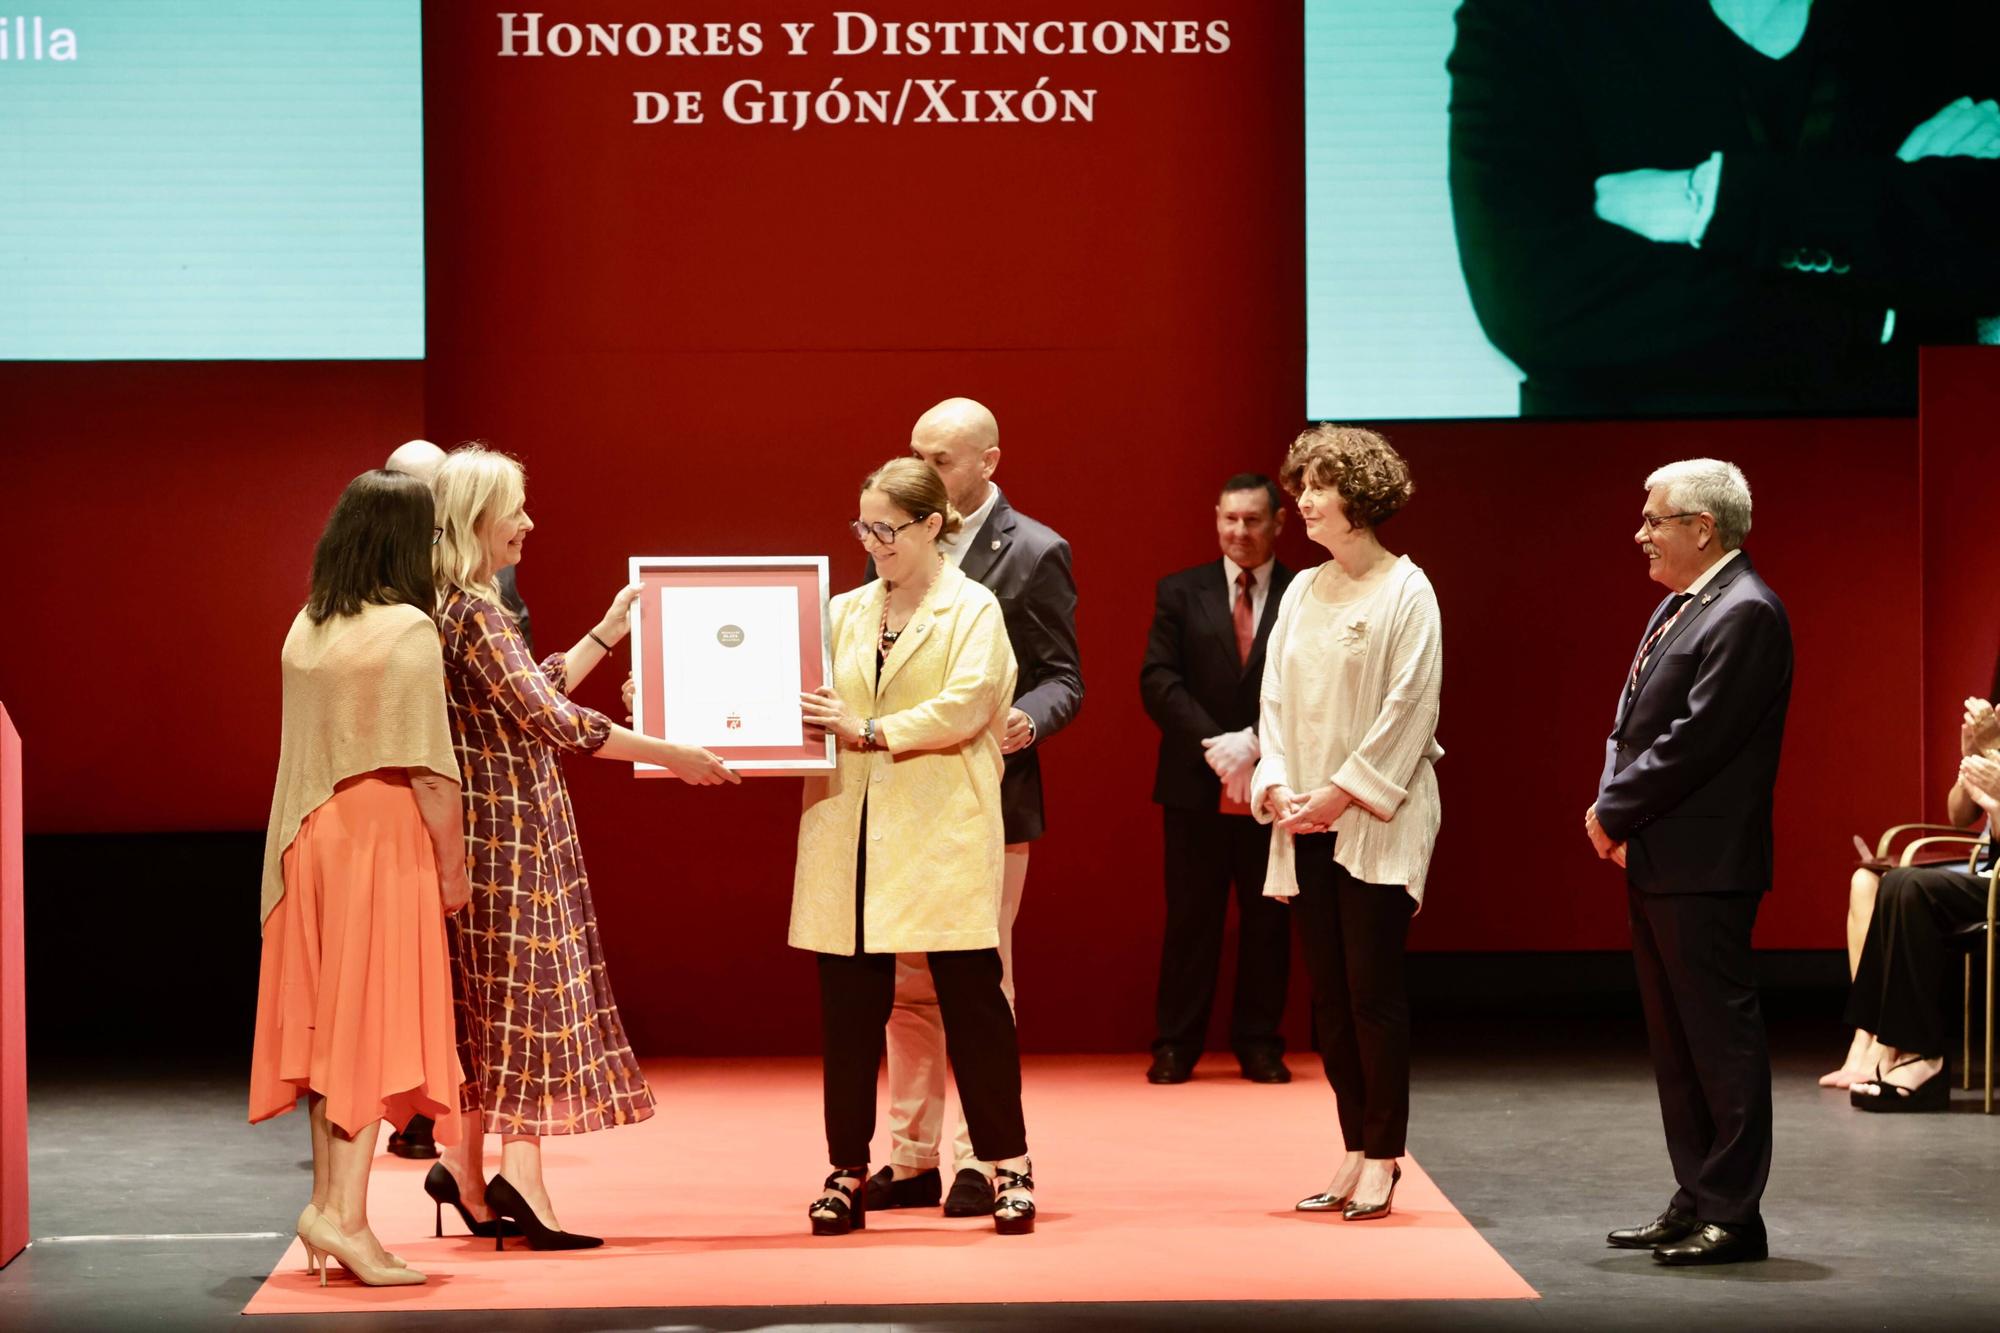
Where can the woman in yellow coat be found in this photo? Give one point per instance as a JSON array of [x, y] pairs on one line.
[[900, 847]]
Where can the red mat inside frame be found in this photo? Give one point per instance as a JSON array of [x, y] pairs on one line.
[[1147, 1194]]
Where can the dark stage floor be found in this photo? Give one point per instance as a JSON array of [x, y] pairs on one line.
[[1544, 1135]]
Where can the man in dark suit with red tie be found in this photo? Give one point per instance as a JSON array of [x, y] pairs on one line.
[[1204, 664], [1684, 805]]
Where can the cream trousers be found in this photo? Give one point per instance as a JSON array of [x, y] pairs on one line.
[[918, 1084]]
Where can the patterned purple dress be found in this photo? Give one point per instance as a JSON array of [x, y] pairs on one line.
[[539, 1035]]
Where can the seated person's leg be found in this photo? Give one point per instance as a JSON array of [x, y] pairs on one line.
[[1896, 984], [1860, 911]]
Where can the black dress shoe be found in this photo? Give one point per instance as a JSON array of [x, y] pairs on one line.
[[971, 1195], [1670, 1226], [414, 1140], [1716, 1243], [1170, 1067], [1265, 1067], [919, 1191]]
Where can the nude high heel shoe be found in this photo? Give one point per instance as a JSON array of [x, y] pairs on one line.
[[319, 1235], [314, 1259]]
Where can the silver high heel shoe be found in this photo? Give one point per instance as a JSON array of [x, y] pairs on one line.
[[1324, 1202]]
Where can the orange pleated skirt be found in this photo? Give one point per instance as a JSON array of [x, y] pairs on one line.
[[354, 995]]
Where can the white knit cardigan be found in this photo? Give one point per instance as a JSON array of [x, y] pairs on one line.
[[1376, 712]]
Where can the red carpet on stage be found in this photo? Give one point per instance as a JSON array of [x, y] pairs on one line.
[[1147, 1194]]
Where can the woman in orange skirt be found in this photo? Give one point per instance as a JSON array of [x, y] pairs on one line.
[[363, 858]]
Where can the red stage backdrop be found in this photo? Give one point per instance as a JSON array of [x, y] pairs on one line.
[[699, 337]]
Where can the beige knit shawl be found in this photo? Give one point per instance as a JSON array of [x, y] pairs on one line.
[[362, 692]]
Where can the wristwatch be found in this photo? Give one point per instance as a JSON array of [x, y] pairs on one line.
[[868, 733]]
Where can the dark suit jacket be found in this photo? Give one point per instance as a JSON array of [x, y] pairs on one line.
[[1026, 565], [1817, 229], [1691, 765], [1192, 683]]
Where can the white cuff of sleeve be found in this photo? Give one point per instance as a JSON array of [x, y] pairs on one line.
[[1704, 183]]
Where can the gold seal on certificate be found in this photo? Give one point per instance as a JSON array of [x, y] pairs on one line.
[[722, 647]]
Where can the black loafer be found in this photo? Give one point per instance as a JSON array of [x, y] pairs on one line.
[[1669, 1227], [971, 1195], [414, 1140], [1170, 1067], [919, 1191], [1716, 1243], [1265, 1067]]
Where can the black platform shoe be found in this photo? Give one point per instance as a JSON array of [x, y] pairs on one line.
[[923, 1190], [1933, 1094], [843, 1209], [442, 1186], [506, 1202], [1014, 1216]]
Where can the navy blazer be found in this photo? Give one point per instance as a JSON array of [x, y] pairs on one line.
[[1691, 765], [1193, 683], [1026, 565]]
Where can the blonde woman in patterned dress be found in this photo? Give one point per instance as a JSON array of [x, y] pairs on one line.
[[540, 1038]]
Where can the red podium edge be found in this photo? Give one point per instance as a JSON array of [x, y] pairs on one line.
[[13, 1006]]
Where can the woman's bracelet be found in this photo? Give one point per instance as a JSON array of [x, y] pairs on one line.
[[599, 642]]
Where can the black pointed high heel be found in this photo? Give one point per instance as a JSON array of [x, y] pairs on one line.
[[442, 1186], [1355, 1212], [842, 1209], [506, 1202], [1016, 1216]]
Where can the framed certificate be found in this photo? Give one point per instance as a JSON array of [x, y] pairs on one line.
[[722, 647]]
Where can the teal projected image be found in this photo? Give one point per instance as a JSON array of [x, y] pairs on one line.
[[205, 180], [1590, 208]]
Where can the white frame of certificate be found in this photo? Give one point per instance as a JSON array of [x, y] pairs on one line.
[[808, 574]]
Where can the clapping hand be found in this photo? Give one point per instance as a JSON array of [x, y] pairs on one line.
[[1979, 731], [1315, 811], [1965, 128], [824, 711], [1980, 776]]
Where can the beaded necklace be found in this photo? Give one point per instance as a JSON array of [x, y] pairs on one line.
[[887, 637]]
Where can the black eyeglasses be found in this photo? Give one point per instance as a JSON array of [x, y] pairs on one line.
[[881, 532], [1653, 521]]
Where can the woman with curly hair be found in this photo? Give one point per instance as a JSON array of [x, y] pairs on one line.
[[1347, 725]]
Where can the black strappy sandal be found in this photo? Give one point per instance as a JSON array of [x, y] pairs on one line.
[[836, 1216], [1015, 1216], [1933, 1094]]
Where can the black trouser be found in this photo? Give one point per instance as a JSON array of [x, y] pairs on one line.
[[1705, 1027], [1354, 935], [856, 993], [1206, 850], [1900, 980]]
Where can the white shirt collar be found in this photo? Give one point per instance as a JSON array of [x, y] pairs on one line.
[[1708, 575], [971, 524], [1260, 577]]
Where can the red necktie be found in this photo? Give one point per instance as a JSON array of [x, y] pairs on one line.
[[1246, 635], [1246, 623], [1681, 599]]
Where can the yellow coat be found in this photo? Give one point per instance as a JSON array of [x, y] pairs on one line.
[[935, 843]]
